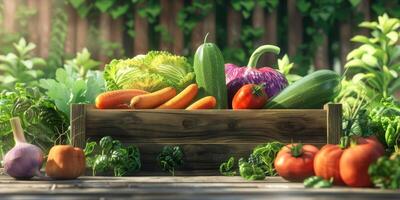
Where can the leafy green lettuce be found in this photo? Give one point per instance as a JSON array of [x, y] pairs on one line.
[[150, 72]]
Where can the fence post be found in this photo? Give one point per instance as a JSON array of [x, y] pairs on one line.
[[10, 10], [177, 46], [233, 27], [70, 41], [295, 28], [105, 36], [44, 15], [141, 40], [321, 60], [82, 27], [33, 35]]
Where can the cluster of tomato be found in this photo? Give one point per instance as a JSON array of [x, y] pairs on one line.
[[346, 163]]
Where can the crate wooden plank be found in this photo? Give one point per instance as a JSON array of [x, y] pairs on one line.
[[334, 122], [207, 137], [208, 126]]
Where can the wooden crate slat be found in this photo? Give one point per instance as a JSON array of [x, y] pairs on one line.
[[208, 126], [207, 137]]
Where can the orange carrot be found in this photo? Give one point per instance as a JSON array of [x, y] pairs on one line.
[[117, 98], [182, 100], [153, 100], [208, 102]]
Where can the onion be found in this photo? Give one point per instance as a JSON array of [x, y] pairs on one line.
[[24, 160]]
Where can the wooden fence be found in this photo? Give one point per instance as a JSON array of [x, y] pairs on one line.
[[112, 29]]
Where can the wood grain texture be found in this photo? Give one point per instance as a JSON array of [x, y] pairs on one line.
[[82, 29], [44, 16], [295, 29], [207, 137], [141, 39], [178, 187], [9, 16], [78, 124], [70, 41], [334, 123], [33, 35], [177, 33], [233, 26], [208, 126]]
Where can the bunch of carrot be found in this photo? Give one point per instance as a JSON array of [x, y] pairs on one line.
[[166, 98]]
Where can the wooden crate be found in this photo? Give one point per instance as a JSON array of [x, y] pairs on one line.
[[207, 137]]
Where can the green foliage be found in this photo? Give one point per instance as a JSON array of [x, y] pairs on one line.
[[58, 36], [246, 7], [191, 14], [228, 168], [385, 122], [385, 173], [372, 75], [73, 85], [22, 16], [285, 67], [250, 171], [21, 66], [259, 164], [114, 156], [171, 158], [264, 156], [43, 124], [317, 182]]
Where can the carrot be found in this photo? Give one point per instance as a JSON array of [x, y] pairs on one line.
[[117, 98], [208, 102], [153, 100], [182, 100]]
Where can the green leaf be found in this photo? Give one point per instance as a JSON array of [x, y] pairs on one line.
[[317, 182], [369, 25], [360, 39], [393, 36], [76, 3], [354, 3], [104, 5], [369, 60], [355, 63], [227, 168], [356, 53], [119, 11]]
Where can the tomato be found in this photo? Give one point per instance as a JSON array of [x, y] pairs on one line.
[[356, 159], [250, 96], [326, 163], [294, 162], [348, 165]]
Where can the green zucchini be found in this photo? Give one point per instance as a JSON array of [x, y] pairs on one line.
[[312, 91], [210, 73]]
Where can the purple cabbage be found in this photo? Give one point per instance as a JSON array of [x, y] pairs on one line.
[[237, 76]]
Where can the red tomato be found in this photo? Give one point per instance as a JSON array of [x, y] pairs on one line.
[[294, 162], [356, 159], [250, 96], [326, 163]]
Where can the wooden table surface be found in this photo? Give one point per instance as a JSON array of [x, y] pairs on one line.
[[166, 187]]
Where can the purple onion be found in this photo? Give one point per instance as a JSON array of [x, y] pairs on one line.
[[24, 160], [237, 76]]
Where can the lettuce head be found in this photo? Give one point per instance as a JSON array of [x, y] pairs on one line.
[[150, 72]]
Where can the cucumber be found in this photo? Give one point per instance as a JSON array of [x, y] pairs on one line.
[[312, 91], [210, 73]]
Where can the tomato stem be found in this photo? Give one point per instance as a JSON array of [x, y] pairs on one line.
[[344, 142], [258, 90], [296, 150]]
